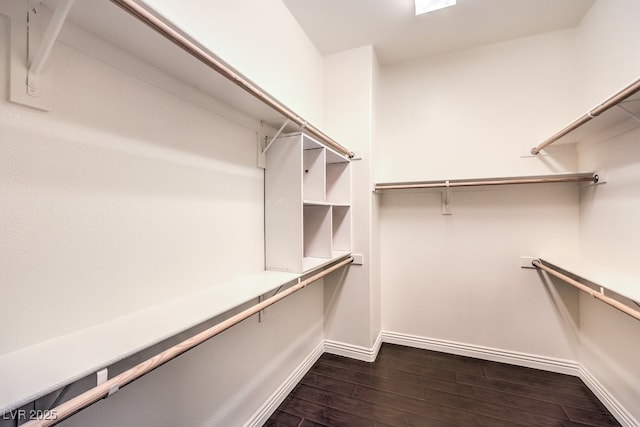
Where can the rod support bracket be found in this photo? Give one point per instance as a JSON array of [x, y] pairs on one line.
[[600, 177], [33, 85], [528, 261], [262, 154], [446, 199], [113, 390], [33, 32], [261, 312], [102, 376]]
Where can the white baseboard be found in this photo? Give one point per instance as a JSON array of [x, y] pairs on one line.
[[617, 410], [561, 366], [520, 359], [269, 407], [354, 351], [486, 353]]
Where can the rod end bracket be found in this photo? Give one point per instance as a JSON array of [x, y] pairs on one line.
[[527, 261], [600, 177], [446, 197]]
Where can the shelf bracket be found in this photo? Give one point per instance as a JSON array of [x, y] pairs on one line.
[[265, 149], [102, 376], [261, 312], [262, 156], [446, 199], [50, 36], [261, 298], [629, 113], [31, 45]]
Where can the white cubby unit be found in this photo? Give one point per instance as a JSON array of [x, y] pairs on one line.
[[307, 204]]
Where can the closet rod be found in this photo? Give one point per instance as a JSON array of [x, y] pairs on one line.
[[109, 387], [212, 61], [582, 177], [602, 297], [604, 106]]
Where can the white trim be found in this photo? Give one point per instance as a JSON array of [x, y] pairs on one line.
[[271, 404], [621, 414], [354, 351], [487, 353], [471, 350], [520, 359]]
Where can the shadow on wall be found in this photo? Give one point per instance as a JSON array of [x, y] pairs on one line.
[[333, 286], [577, 315], [618, 150], [565, 299], [608, 349]]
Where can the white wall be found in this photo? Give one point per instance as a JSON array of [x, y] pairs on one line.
[[352, 302], [608, 41], [127, 195], [222, 382], [455, 278], [115, 198], [474, 114], [122, 195]]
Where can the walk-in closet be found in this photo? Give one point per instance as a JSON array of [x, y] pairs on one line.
[[319, 213]]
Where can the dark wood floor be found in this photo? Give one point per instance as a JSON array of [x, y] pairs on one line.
[[412, 387]]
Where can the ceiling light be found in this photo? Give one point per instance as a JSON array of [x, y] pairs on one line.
[[425, 6]]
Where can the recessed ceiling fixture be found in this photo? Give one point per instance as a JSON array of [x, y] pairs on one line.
[[425, 6]]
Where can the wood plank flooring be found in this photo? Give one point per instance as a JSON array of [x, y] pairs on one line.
[[412, 387]]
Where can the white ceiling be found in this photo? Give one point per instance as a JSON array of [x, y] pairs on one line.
[[398, 35]]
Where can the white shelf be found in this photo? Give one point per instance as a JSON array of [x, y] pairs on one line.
[[110, 22], [307, 204], [611, 123], [32, 372], [614, 116], [307, 142], [621, 283], [316, 203], [317, 231], [311, 263]]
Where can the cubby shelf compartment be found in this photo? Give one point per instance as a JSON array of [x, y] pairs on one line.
[[341, 231], [307, 204]]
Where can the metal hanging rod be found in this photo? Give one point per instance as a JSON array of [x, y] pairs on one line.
[[109, 387], [588, 116], [599, 295], [212, 61], [542, 179]]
